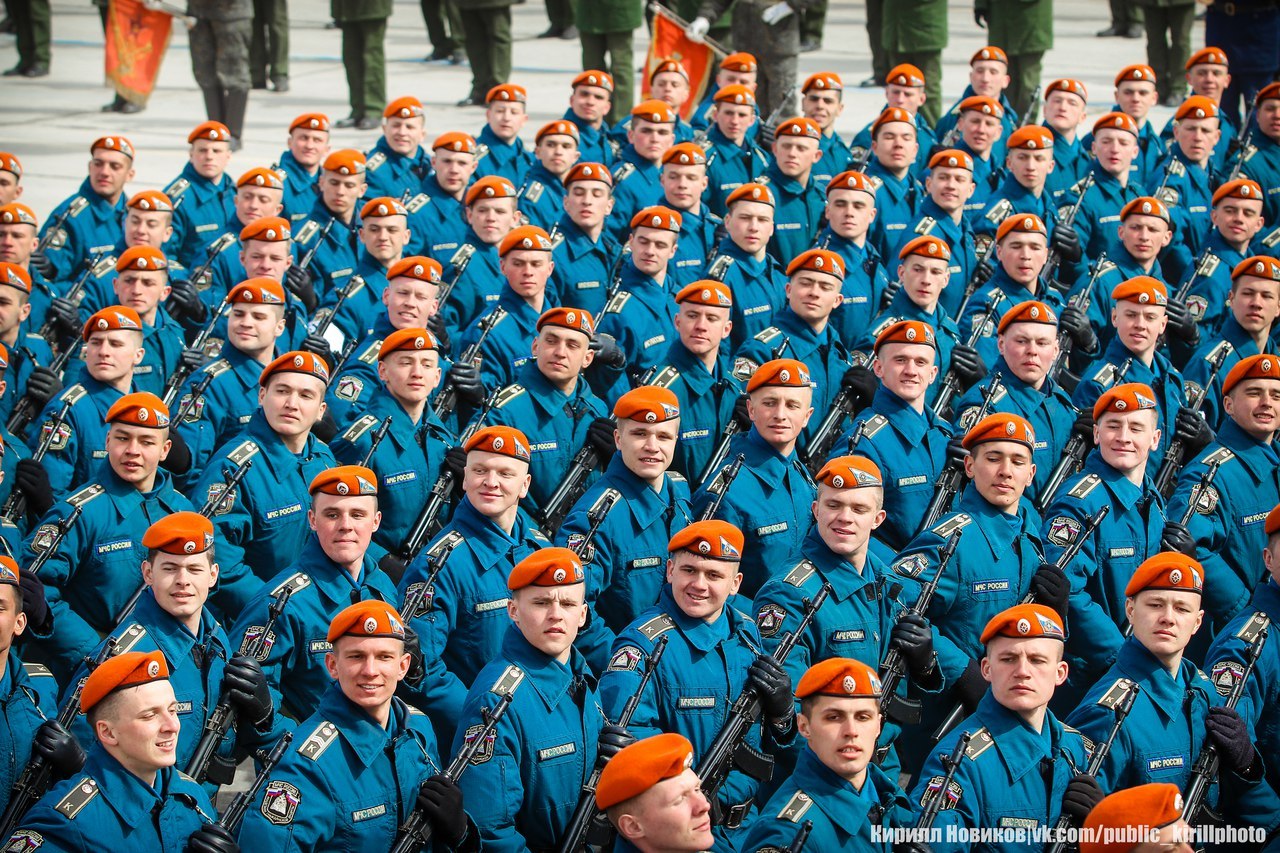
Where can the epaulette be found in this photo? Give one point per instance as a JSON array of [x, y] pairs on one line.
[[768, 334], [676, 477], [217, 368], [175, 190], [36, 670], [978, 744], [418, 202], [508, 681], [74, 394], [448, 542], [77, 209], [925, 225], [719, 267], [657, 626], [533, 191], [360, 427], [1221, 456], [506, 395], [246, 450], [1086, 485], [1079, 185], [1106, 267], [318, 741], [765, 180], [858, 152], [130, 638], [498, 314], [1106, 375], [873, 425], [296, 582], [617, 303], [796, 807], [666, 377], [86, 494], [375, 162], [623, 172], [1084, 738], [801, 573], [875, 182], [1115, 693], [309, 229], [1250, 630], [1000, 211], [1272, 239], [1218, 351], [959, 521], [615, 148], [103, 266], [370, 354], [82, 793]]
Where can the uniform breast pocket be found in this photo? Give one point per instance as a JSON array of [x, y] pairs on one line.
[[114, 578], [370, 822], [557, 770], [694, 705]]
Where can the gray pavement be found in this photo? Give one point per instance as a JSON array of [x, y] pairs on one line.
[[49, 122]]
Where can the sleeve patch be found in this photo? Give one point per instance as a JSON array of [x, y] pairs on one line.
[[1225, 675], [1063, 530], [770, 618], [934, 788], [280, 802], [626, 658], [484, 751]]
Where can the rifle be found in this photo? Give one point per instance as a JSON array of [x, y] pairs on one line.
[[458, 263], [721, 452], [825, 436], [950, 382], [377, 439], [415, 832], [219, 720], [1074, 453], [720, 487], [585, 813], [769, 127], [730, 748], [343, 357], [1171, 464], [215, 249], [447, 400], [1050, 271], [24, 411], [615, 275], [77, 204], [894, 666], [1029, 116], [234, 815], [62, 529], [37, 776], [16, 504], [971, 286], [75, 294], [416, 594], [1082, 299], [315, 247], [1069, 553], [353, 284], [952, 475], [595, 517], [1200, 489], [1171, 168], [1243, 142], [1099, 755], [943, 789], [182, 371], [196, 393], [801, 837]]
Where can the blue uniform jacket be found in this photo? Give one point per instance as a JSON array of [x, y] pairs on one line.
[[26, 353], [797, 215], [335, 259], [640, 317], [507, 347], [477, 288], [836, 157], [1237, 345], [594, 144], [356, 315], [925, 135], [1160, 376], [201, 208], [1011, 293], [1011, 198], [437, 224], [897, 200], [82, 440], [698, 232], [28, 697], [706, 405], [930, 219], [583, 268], [390, 173], [1070, 164], [635, 187], [300, 188], [541, 197], [94, 229], [758, 287], [223, 410], [1191, 196], [1098, 219], [510, 160], [729, 166], [865, 281]]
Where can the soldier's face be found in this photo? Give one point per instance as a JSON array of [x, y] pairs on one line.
[[909, 98], [253, 328], [846, 517], [142, 732], [1136, 98], [492, 218], [988, 77], [1115, 150], [292, 403], [1196, 137], [557, 152], [796, 155], [1209, 80], [1063, 111], [110, 356], [652, 249], [265, 260], [1139, 327], [702, 327], [850, 213], [180, 582], [344, 525], [410, 302], [17, 242], [949, 188], [822, 106], [842, 732], [779, 414], [980, 131], [923, 279], [309, 147], [384, 237], [651, 139], [1254, 405], [1030, 167], [1270, 558], [590, 103], [109, 171], [647, 449], [10, 189], [495, 483], [506, 118], [1126, 440], [701, 585], [562, 354], [549, 616], [734, 119], [906, 369], [14, 308], [254, 202], [1001, 472], [367, 670], [136, 452], [141, 290], [404, 135], [895, 145], [750, 225], [453, 169], [410, 375], [672, 815], [1267, 116], [813, 295], [527, 272], [670, 87], [12, 620], [1023, 254], [729, 77], [1029, 349], [340, 192], [588, 203], [147, 228], [1238, 220], [209, 157], [683, 185], [1164, 620], [1144, 236], [1255, 302], [1024, 672]]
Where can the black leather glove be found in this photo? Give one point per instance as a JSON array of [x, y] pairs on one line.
[[455, 462], [436, 326], [970, 687], [863, 383], [42, 386], [1192, 430], [31, 479], [301, 285], [35, 605], [1228, 732], [913, 638], [1083, 426], [1050, 587], [440, 800], [979, 18], [326, 429], [246, 687], [179, 459], [1075, 323], [465, 379], [191, 360], [64, 316], [212, 838], [608, 353], [393, 566], [1082, 794], [773, 685], [956, 454], [1176, 537], [1181, 324], [982, 273], [612, 740], [1066, 242], [184, 303], [740, 413], [600, 438], [317, 345], [58, 748], [889, 293], [413, 648], [40, 262], [967, 366]]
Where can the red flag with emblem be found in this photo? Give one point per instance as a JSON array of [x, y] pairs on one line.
[[668, 41], [137, 38]]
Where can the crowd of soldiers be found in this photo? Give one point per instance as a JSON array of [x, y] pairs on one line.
[[677, 485]]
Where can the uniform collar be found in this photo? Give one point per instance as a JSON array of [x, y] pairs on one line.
[[846, 580], [786, 183], [903, 308], [171, 636], [645, 503], [395, 157], [546, 676], [367, 739], [905, 420], [580, 245], [994, 522], [1167, 692], [505, 150], [273, 447], [522, 312], [692, 370], [331, 580], [486, 538], [546, 396], [125, 495], [431, 187], [1259, 457], [103, 210], [701, 634], [1020, 747], [128, 796], [764, 461], [1122, 489], [845, 807]]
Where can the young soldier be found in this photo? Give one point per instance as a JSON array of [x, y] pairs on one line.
[[850, 213], [684, 183], [584, 260], [1114, 145], [1028, 162], [589, 106], [1264, 163], [650, 133], [1065, 101], [949, 185], [1183, 178], [979, 127], [755, 278], [505, 114], [822, 102], [307, 146], [437, 220], [491, 215], [397, 163], [542, 193], [736, 69], [798, 198], [29, 353], [988, 78], [894, 148], [732, 158], [201, 194], [331, 227], [653, 798], [1236, 217], [93, 221], [904, 90], [1208, 76], [259, 193]]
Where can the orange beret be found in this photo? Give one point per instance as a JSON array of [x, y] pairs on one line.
[[735, 94], [1071, 87], [781, 373], [1129, 397], [15, 276], [262, 291], [663, 218], [741, 62], [990, 53], [841, 677], [405, 107], [1028, 312], [592, 77], [503, 440], [508, 92], [345, 481], [905, 75], [851, 180], [140, 409], [214, 131], [822, 81], [751, 192], [1026, 223], [906, 332], [151, 200], [658, 112], [131, 669], [648, 404], [310, 121], [1197, 106], [1033, 137], [714, 539], [490, 186], [114, 143], [1167, 570], [926, 247], [1001, 426], [850, 472], [1269, 92], [559, 127], [714, 294], [685, 154], [547, 567], [569, 318], [641, 765], [4, 365], [296, 361], [669, 66], [144, 258], [891, 114], [1137, 74], [370, 618], [455, 141], [1272, 525], [1142, 289], [1207, 56], [818, 260], [261, 177], [1146, 206], [417, 267], [951, 158], [1260, 266], [982, 104], [268, 229], [180, 533], [407, 340], [1253, 367], [804, 128], [8, 572], [1116, 121], [1129, 814], [111, 319], [526, 238], [10, 163], [587, 172], [383, 206], [345, 161], [1025, 620], [1241, 188]]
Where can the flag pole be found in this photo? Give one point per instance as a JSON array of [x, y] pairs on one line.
[[658, 9]]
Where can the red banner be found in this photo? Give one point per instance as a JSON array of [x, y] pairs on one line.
[[668, 41], [137, 39]]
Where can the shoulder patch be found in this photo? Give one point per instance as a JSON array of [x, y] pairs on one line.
[[1086, 485], [1063, 530], [370, 354], [934, 789], [666, 377], [36, 670], [247, 450], [506, 395], [175, 190], [86, 494], [801, 573], [360, 427], [375, 161], [320, 739], [1250, 630], [795, 807], [348, 388], [770, 618], [979, 743], [79, 797], [959, 522], [217, 368], [657, 626], [1225, 675], [308, 230], [1115, 693], [130, 638], [626, 658], [1221, 456], [297, 582], [74, 394], [617, 303], [925, 225], [280, 802], [418, 202]]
